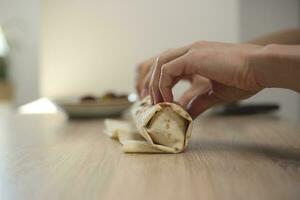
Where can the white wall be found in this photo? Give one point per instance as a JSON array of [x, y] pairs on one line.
[[259, 17], [20, 20], [93, 45]]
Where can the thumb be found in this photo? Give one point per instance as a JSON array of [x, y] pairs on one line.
[[201, 103]]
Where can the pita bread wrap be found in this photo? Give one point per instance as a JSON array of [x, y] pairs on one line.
[[161, 128]]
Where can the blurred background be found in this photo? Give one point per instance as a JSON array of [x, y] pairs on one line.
[[58, 48]]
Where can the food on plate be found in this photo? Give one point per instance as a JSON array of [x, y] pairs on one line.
[[111, 95], [108, 96], [88, 98]]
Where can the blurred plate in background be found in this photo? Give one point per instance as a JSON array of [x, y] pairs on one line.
[[94, 107]]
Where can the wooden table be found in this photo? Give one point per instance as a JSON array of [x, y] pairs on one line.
[[49, 157]]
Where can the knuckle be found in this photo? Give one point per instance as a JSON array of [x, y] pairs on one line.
[[159, 60], [192, 52], [200, 43], [164, 69]]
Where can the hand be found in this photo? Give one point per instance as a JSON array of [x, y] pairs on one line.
[[224, 66], [198, 85], [143, 77]]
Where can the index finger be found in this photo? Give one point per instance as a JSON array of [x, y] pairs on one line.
[[172, 72], [161, 60]]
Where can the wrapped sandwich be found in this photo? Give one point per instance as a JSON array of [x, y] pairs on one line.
[[161, 128]]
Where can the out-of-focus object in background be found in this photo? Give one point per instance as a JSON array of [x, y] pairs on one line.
[[236, 108], [3, 44], [5, 86], [108, 96], [39, 106], [89, 106]]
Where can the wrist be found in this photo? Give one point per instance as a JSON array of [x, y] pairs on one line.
[[276, 66]]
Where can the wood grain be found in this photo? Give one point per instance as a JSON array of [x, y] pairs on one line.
[[49, 157]]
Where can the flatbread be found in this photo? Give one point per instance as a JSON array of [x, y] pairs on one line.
[[161, 128]]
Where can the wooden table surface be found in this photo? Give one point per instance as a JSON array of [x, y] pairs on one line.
[[49, 157]]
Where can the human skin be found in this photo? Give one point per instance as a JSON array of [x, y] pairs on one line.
[[226, 72], [287, 37]]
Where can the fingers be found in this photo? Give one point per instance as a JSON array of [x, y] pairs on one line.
[[198, 86], [142, 70], [202, 102], [161, 60], [153, 89], [171, 73], [145, 88], [187, 96]]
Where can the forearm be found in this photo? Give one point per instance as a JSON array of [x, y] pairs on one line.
[[277, 66], [291, 36]]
